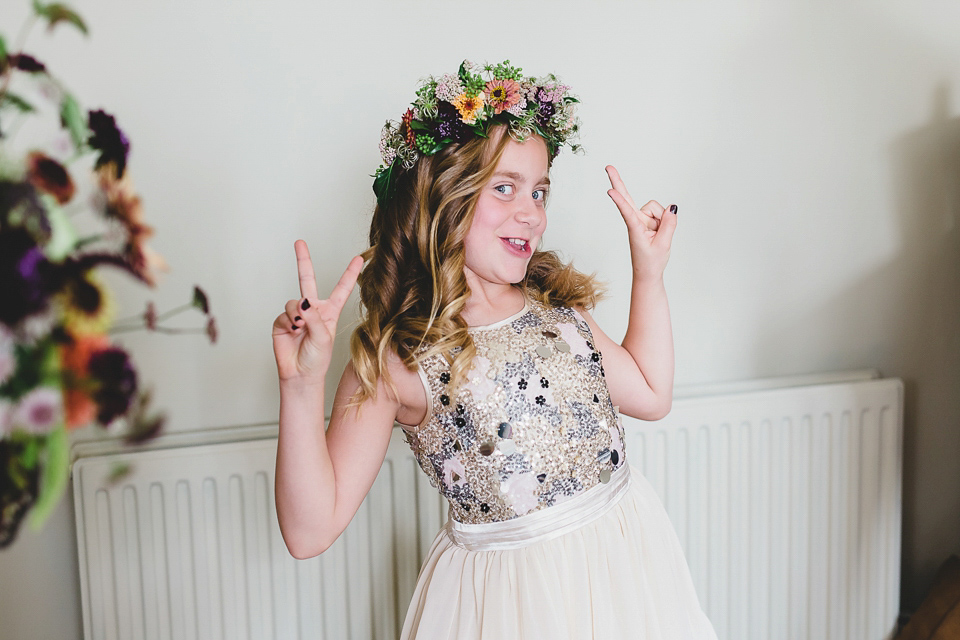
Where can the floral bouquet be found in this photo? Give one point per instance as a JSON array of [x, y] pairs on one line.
[[59, 369]]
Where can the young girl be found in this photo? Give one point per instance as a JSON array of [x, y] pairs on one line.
[[482, 348]]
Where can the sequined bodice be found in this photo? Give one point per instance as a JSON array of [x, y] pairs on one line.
[[531, 426]]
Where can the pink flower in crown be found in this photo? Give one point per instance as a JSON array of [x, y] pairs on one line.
[[40, 411], [479, 383], [453, 472], [518, 108], [570, 335], [520, 492], [502, 94]]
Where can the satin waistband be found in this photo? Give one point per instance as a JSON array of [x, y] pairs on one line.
[[546, 524]]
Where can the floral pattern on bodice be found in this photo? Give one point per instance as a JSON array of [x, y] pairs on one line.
[[531, 426]]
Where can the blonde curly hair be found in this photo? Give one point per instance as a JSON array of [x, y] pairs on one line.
[[413, 288]]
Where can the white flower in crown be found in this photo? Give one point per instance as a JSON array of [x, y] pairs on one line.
[[448, 87]]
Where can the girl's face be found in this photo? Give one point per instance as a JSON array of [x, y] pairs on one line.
[[510, 217]]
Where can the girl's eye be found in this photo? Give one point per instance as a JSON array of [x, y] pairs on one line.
[[505, 189], [540, 194]]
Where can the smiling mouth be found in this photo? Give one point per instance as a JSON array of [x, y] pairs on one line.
[[517, 245]]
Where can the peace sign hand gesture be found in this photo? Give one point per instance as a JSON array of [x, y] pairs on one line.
[[303, 335], [649, 228]]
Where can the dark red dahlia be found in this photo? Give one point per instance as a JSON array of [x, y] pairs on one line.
[[117, 379], [406, 130], [109, 140], [46, 174]]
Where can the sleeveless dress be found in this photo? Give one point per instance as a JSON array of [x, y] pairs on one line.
[[551, 533]]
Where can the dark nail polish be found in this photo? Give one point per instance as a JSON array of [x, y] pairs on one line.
[[305, 305], [673, 208], [293, 327], [297, 318]]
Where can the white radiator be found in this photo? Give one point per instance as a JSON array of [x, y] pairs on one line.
[[787, 503]]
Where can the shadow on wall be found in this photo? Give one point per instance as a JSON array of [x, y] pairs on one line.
[[925, 351], [911, 307]]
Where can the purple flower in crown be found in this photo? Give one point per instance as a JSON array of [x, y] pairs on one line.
[[449, 124], [545, 112]]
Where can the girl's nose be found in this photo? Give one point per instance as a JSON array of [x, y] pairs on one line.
[[529, 211]]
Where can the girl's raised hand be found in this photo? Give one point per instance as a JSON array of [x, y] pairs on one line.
[[303, 335], [650, 229]]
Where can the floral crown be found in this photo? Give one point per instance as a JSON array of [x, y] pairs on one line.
[[453, 108]]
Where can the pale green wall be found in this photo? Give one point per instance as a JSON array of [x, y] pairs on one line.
[[813, 150]]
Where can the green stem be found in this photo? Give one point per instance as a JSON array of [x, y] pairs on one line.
[[173, 312], [172, 330], [126, 328], [88, 240], [18, 48]]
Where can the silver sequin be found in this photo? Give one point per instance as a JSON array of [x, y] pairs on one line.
[[530, 425]]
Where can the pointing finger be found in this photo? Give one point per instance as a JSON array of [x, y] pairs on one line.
[[308, 281], [340, 293], [617, 183]]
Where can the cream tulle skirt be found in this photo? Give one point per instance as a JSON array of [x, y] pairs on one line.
[[620, 575]]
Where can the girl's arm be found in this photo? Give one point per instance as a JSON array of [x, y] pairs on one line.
[[322, 476], [639, 372]]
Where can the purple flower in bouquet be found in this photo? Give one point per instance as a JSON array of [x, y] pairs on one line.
[[109, 140], [24, 285]]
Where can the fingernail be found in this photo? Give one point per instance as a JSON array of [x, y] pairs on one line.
[[297, 318], [673, 208], [305, 305], [294, 327]]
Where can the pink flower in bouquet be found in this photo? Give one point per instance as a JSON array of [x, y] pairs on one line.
[[39, 411]]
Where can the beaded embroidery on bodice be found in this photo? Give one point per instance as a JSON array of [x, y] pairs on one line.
[[531, 426]]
